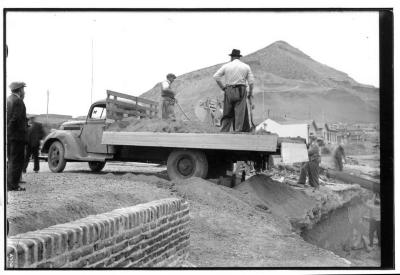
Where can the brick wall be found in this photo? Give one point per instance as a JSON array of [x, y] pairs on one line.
[[154, 234]]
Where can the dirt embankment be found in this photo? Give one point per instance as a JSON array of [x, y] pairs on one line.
[[229, 227], [302, 207]]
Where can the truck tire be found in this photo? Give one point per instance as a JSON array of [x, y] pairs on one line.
[[96, 166], [183, 164], [56, 158]]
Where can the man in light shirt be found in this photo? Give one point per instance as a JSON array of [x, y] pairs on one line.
[[237, 75], [168, 98]]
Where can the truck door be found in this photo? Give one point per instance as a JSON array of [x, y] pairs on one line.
[[93, 129]]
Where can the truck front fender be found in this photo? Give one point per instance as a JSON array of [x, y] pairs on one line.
[[73, 146]]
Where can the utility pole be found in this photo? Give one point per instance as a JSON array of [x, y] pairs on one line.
[[47, 108], [91, 86], [263, 104]]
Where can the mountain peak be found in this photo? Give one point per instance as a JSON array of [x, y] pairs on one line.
[[285, 46]]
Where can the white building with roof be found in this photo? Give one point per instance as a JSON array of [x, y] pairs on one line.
[[292, 130]]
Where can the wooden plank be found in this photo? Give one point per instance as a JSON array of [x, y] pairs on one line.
[[134, 98], [135, 107], [238, 142], [352, 179], [124, 111], [128, 106], [294, 152]]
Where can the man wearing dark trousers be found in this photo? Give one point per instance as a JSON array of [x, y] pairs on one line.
[[338, 157], [168, 98], [16, 135], [237, 76], [311, 168], [374, 220], [35, 135]]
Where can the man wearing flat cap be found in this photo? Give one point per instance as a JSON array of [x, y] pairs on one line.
[[237, 75], [311, 168], [16, 135], [168, 98]]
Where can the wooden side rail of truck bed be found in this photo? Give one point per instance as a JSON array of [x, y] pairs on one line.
[[121, 105]]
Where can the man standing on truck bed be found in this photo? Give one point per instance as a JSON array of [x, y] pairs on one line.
[[237, 74], [168, 98]]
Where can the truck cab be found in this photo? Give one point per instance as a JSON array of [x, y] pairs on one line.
[[92, 130], [82, 140]]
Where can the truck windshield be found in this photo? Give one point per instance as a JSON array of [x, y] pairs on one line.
[[98, 112]]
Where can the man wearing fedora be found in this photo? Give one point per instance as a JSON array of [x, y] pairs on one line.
[[168, 98], [237, 75], [16, 135]]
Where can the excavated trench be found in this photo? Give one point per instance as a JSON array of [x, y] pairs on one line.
[[339, 229], [330, 218], [344, 232]]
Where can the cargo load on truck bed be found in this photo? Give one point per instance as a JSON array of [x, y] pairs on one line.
[[132, 124]]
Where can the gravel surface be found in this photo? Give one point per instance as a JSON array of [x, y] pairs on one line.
[[228, 227]]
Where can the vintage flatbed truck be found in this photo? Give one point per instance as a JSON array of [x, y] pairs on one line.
[[185, 154]]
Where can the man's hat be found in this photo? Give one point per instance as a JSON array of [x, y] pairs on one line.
[[16, 85], [171, 75], [235, 52]]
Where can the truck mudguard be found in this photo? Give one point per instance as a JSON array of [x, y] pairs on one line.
[[73, 146]]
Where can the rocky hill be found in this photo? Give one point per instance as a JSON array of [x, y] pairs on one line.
[[289, 83]]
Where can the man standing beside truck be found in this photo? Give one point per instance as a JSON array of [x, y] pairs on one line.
[[168, 98], [35, 135], [237, 74], [16, 135]]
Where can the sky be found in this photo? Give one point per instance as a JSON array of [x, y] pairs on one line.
[[133, 51]]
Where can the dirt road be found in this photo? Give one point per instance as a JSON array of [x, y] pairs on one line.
[[227, 228]]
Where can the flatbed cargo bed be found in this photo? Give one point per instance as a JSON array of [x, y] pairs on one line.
[[221, 141]]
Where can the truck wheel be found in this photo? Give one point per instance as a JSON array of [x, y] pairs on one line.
[[56, 158], [96, 166], [183, 164]]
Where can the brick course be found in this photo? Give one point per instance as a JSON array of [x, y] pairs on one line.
[[154, 234]]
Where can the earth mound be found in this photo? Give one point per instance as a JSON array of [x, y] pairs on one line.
[[282, 200], [158, 125]]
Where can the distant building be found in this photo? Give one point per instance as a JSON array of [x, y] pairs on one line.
[[355, 135], [285, 129], [329, 135], [316, 129]]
